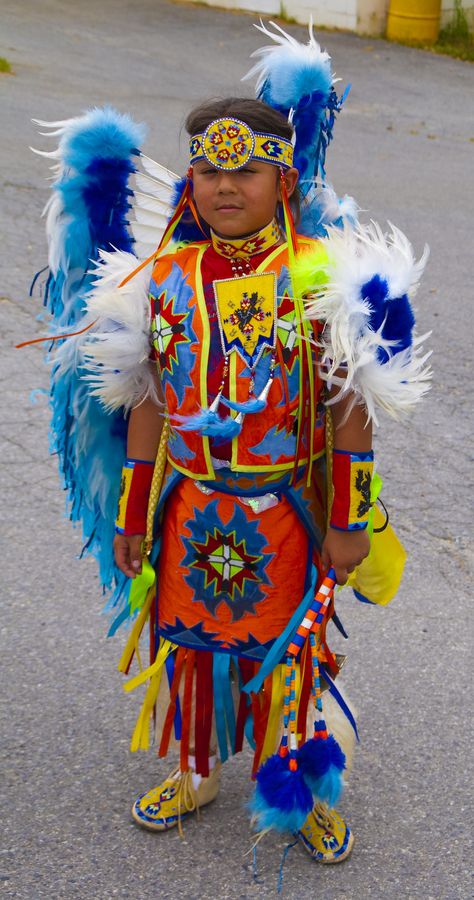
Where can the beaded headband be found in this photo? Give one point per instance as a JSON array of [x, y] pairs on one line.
[[229, 144]]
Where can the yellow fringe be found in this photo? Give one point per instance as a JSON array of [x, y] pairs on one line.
[[141, 735], [131, 646]]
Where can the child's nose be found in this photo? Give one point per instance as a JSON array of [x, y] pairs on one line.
[[226, 183]]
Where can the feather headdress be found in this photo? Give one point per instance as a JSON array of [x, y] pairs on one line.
[[297, 80]]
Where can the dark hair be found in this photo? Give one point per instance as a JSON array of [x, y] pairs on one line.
[[257, 115]]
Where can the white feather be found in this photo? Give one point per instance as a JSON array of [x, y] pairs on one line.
[[116, 351], [150, 217], [146, 234], [56, 229], [146, 201], [154, 188], [151, 207], [156, 170]]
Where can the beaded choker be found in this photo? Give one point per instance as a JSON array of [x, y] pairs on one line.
[[267, 237]]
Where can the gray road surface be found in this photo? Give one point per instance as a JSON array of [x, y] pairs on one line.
[[404, 147]]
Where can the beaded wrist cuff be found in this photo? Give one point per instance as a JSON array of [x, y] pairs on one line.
[[351, 478], [135, 487]]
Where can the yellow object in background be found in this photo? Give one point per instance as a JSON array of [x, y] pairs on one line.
[[414, 20], [378, 577]]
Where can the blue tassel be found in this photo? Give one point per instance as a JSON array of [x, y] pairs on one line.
[[282, 800], [209, 422], [322, 763]]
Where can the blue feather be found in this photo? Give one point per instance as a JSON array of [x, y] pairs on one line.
[[101, 133], [249, 406], [395, 315], [210, 423]]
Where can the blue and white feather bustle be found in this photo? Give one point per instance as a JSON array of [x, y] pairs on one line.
[[87, 215]]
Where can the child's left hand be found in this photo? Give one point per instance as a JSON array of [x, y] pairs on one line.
[[344, 550]]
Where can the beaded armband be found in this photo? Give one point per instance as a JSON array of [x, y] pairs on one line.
[[137, 475], [351, 478]]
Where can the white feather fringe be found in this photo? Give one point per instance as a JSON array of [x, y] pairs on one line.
[[117, 348], [355, 255], [285, 47]]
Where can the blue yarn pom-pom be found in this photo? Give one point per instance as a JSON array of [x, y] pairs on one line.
[[322, 762], [282, 800]]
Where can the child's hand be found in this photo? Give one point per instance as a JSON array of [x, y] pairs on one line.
[[344, 550], [128, 553]]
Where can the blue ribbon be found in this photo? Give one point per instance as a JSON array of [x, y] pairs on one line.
[[339, 698], [169, 664], [277, 651], [223, 704]]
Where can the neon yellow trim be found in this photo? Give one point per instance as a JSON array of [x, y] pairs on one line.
[[141, 584], [184, 471], [131, 646], [270, 258], [282, 467], [205, 349], [312, 399], [300, 392], [233, 397]]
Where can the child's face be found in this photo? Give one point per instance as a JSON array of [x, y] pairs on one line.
[[239, 203]]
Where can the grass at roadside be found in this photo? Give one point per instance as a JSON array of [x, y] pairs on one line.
[[5, 66], [455, 39]]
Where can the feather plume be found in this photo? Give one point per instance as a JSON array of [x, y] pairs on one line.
[[287, 71], [297, 80], [360, 286]]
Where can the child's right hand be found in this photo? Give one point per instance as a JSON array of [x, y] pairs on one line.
[[128, 553]]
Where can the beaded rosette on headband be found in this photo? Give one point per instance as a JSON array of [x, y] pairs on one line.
[[229, 144]]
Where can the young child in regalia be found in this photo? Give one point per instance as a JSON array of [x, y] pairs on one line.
[[234, 373]]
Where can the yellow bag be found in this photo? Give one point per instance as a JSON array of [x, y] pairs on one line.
[[378, 577]]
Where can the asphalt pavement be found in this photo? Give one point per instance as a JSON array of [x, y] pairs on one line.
[[404, 147]]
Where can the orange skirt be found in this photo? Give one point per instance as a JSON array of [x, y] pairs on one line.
[[229, 576]]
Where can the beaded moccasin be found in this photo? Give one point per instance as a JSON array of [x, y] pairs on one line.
[[326, 836], [164, 806]]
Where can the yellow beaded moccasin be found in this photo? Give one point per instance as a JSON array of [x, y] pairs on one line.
[[326, 836], [164, 806]]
